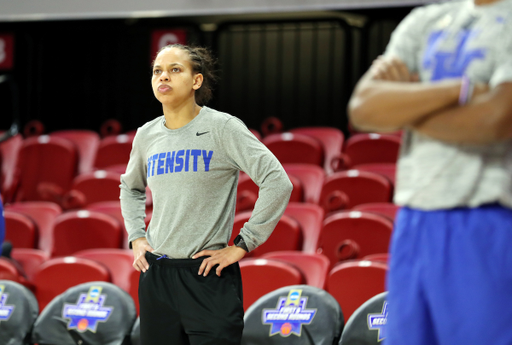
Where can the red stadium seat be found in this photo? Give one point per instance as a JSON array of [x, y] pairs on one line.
[[117, 168], [86, 142], [353, 283], [271, 125], [46, 166], [353, 235], [353, 131], [261, 276], [346, 189], [20, 230], [91, 187], [114, 150], [113, 127], [386, 209], [43, 213], [57, 275], [118, 261], [247, 192], [256, 133], [10, 271], [310, 218], [314, 266], [134, 288], [388, 170], [33, 128], [79, 230], [332, 140], [311, 178], [295, 148], [9, 151], [30, 259], [372, 148], [380, 257], [108, 173], [287, 235], [113, 208]]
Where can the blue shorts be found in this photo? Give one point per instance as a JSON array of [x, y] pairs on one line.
[[450, 277]]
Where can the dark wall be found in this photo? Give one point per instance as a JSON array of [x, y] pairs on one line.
[[77, 74], [296, 71]]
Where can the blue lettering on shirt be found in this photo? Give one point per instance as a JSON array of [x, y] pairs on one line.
[[450, 64], [195, 154], [178, 161], [169, 162], [154, 159], [161, 163], [151, 165], [207, 157], [187, 158]]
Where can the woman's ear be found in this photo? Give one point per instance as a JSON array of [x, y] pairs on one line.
[[198, 81]]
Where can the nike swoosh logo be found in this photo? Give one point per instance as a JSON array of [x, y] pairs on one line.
[[198, 134]]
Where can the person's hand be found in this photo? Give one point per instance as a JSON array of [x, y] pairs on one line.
[[223, 257], [140, 246], [392, 69]]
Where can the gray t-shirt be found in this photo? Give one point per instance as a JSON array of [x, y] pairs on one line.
[[192, 173], [448, 40]]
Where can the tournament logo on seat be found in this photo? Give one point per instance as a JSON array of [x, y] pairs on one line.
[[289, 315], [88, 311], [378, 322], [5, 310]]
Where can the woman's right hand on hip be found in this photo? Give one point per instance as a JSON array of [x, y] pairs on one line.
[[140, 246]]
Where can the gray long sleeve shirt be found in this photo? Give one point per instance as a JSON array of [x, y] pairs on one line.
[[193, 172]]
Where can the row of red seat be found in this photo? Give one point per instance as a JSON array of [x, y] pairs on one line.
[[304, 228], [334, 192], [340, 190], [351, 282], [61, 156], [114, 319], [341, 235]]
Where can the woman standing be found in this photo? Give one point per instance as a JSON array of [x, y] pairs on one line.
[[190, 288]]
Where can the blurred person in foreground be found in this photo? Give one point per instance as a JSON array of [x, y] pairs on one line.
[[445, 79]]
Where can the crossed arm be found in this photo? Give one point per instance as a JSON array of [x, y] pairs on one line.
[[388, 97]]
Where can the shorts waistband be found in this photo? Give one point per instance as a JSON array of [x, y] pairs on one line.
[[164, 260]]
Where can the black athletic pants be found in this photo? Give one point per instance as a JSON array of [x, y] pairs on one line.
[[180, 307]]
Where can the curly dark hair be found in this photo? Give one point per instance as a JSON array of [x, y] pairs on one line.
[[202, 61]]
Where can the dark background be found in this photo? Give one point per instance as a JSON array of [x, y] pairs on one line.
[[298, 67]]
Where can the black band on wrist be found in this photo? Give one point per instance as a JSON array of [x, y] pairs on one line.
[[239, 242]]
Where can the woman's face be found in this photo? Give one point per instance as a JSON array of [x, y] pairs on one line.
[[174, 82]]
